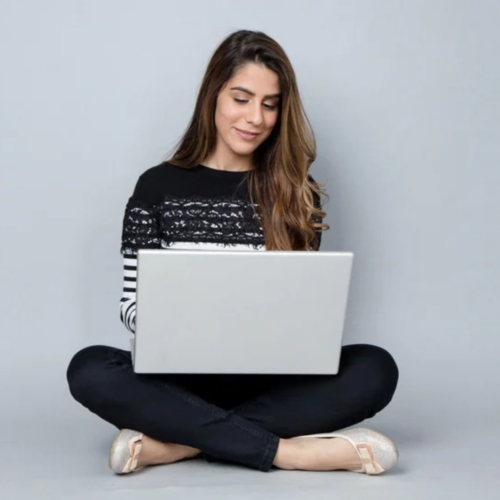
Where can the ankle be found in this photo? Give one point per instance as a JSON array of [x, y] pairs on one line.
[[172, 452], [182, 451], [288, 456], [156, 452]]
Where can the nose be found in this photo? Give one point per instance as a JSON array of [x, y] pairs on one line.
[[255, 115]]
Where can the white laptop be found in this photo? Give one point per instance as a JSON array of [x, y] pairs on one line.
[[240, 312]]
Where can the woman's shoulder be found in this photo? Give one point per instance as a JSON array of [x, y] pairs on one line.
[[163, 171], [154, 182]]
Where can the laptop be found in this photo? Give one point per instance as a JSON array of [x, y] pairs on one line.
[[240, 312]]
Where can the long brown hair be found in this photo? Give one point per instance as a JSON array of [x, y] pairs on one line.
[[287, 202]]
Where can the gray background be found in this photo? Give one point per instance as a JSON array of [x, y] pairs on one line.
[[404, 99]]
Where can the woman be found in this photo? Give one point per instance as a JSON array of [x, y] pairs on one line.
[[239, 180]]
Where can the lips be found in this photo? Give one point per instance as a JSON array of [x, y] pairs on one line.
[[246, 134]]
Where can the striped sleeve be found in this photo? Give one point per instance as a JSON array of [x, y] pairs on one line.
[[127, 302], [140, 230]]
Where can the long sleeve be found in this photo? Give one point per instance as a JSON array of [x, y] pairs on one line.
[[140, 230], [127, 302], [140, 227]]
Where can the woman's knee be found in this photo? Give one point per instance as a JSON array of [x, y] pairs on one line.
[[85, 371], [377, 366]]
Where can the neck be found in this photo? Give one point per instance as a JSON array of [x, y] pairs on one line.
[[223, 158]]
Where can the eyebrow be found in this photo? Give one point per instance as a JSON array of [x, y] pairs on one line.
[[243, 89]]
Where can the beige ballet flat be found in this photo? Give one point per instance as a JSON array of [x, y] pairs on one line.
[[376, 451], [125, 452]]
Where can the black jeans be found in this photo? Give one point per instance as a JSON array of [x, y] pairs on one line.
[[232, 418]]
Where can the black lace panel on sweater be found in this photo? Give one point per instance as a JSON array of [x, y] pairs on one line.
[[199, 219]]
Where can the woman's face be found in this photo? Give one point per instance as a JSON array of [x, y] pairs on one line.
[[247, 109]]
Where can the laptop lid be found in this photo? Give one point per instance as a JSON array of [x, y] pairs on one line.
[[241, 312]]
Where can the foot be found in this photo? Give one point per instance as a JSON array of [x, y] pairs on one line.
[[155, 452], [317, 454], [132, 450], [360, 450]]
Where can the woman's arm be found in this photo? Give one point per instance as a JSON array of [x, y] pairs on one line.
[[140, 230], [127, 302]]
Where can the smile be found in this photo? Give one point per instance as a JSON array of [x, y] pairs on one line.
[[246, 135]]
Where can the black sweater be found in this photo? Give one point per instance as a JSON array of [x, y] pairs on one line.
[[199, 208]]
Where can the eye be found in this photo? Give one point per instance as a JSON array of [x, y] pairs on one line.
[[270, 107]]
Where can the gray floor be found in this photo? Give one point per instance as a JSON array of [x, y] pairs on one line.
[[53, 448]]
